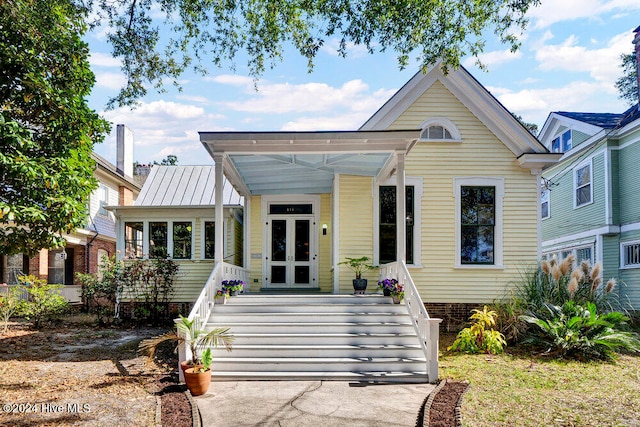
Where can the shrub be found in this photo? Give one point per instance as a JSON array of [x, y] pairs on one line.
[[480, 337], [10, 303], [149, 285], [44, 301], [100, 294], [574, 330]]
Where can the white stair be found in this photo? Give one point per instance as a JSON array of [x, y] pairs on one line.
[[307, 337]]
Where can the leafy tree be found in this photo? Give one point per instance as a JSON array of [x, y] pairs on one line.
[[627, 85], [531, 127], [170, 160], [47, 131], [221, 31]]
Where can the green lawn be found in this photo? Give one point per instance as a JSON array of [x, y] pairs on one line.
[[523, 390]]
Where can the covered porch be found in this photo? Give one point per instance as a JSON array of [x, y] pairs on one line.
[[295, 210]]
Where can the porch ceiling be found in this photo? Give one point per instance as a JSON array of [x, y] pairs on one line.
[[303, 162]]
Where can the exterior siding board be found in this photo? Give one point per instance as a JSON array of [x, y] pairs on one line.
[[629, 158], [356, 227], [256, 244]]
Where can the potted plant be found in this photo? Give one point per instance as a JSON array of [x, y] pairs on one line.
[[358, 266], [386, 285], [198, 377], [221, 296], [397, 293], [233, 286], [197, 339]]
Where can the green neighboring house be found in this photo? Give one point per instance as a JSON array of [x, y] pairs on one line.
[[590, 200]]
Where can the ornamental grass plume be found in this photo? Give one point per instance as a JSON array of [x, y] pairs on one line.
[[577, 274], [566, 264], [573, 286], [610, 285], [585, 267], [544, 265], [553, 261], [595, 272], [595, 284], [556, 273]]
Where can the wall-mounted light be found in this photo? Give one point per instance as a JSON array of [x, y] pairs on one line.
[[324, 229]]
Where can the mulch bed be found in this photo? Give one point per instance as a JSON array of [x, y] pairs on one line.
[[442, 406]]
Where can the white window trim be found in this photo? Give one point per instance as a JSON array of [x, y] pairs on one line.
[[548, 202], [624, 266], [498, 183], [202, 237], [582, 165], [557, 252], [445, 123], [145, 236], [416, 183], [102, 203]]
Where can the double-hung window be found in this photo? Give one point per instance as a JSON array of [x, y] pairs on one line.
[[583, 185], [479, 203], [562, 143], [388, 223], [630, 254], [544, 205]]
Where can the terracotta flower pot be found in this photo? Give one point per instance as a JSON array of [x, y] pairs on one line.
[[186, 364], [197, 382]]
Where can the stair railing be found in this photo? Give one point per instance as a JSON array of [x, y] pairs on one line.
[[204, 304], [427, 328]]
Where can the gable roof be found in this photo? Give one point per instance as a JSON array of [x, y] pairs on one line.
[[186, 186], [473, 95]]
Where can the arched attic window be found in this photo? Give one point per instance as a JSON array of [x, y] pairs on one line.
[[439, 129]]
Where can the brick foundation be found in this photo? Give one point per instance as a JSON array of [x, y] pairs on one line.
[[455, 316]]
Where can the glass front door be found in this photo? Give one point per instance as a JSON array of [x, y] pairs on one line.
[[290, 261]]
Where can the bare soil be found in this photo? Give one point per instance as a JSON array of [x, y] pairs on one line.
[[443, 407], [75, 374]]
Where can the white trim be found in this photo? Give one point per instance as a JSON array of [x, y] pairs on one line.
[[120, 239], [314, 200], [599, 255], [417, 182], [630, 227], [582, 243], [539, 215], [498, 243], [246, 223], [587, 163], [335, 235], [605, 230], [608, 192], [548, 202], [624, 266], [444, 123]]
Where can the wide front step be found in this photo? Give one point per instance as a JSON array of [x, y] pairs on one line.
[[340, 337]]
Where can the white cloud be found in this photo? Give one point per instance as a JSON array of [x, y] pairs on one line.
[[280, 98], [194, 98], [493, 58], [552, 11], [161, 128], [337, 122], [100, 59], [535, 104], [110, 80], [231, 79], [602, 64]]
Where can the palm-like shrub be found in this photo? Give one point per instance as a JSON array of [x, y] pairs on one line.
[[480, 337], [578, 331]]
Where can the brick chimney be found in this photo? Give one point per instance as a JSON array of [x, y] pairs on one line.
[[636, 42], [124, 151]]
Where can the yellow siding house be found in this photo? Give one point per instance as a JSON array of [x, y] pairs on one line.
[[469, 220]]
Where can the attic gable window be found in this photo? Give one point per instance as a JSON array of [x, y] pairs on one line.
[[562, 143], [439, 129]]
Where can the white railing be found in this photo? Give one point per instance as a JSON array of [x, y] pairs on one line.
[[427, 328], [204, 304]]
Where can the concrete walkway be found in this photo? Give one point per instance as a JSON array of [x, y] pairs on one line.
[[311, 403]]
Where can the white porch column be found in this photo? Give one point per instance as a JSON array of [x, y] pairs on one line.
[[246, 244], [401, 210], [219, 214]]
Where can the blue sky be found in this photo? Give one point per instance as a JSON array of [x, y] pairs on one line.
[[569, 61]]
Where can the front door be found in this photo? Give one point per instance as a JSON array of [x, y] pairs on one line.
[[291, 261]]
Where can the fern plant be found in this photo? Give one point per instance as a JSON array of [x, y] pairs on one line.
[[578, 331], [481, 335]]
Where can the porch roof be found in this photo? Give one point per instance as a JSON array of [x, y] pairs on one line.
[[303, 162]]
